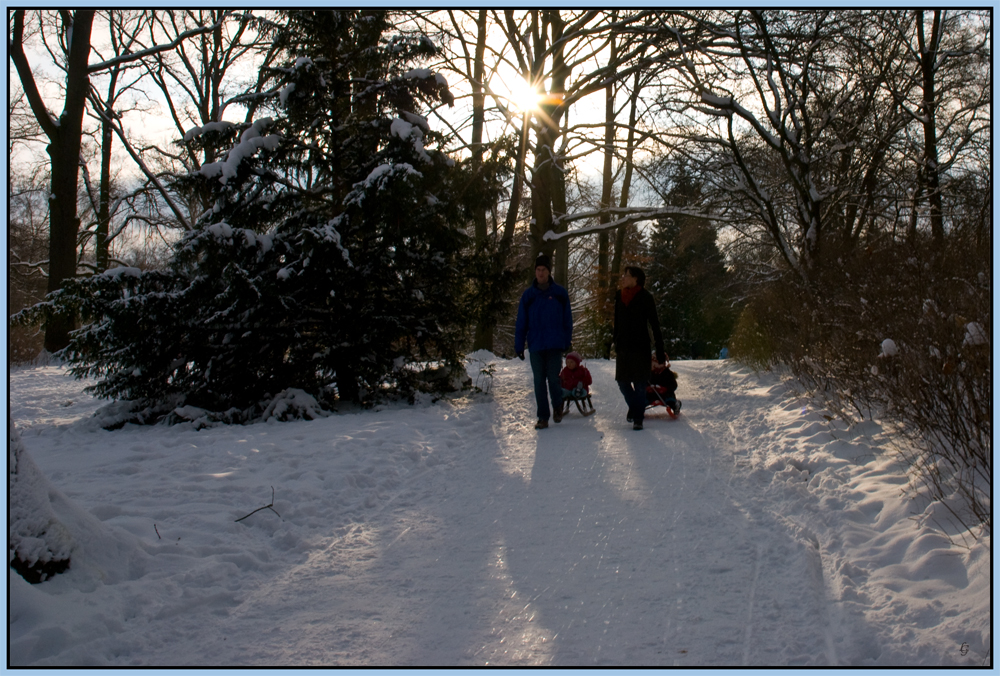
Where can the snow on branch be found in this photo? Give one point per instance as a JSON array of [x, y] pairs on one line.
[[628, 215], [32, 267], [427, 78], [195, 132], [251, 140], [135, 56], [729, 104]]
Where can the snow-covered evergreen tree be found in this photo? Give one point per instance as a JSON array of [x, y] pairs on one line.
[[333, 256], [688, 277]]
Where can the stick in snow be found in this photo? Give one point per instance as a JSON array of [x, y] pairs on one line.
[[270, 507]]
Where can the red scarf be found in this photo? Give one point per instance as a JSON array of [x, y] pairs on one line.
[[629, 294]]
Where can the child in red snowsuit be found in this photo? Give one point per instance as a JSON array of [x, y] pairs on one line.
[[575, 377]]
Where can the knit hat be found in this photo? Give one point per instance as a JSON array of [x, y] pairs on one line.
[[575, 356], [544, 261]]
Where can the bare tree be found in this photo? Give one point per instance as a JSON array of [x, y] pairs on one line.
[[575, 56], [469, 61], [204, 77], [27, 246], [23, 132], [64, 134], [123, 29], [216, 62], [70, 49], [829, 134], [945, 92], [774, 80]]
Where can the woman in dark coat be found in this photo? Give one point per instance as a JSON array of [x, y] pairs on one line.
[[635, 316]]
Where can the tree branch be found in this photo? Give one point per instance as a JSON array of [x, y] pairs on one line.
[[631, 215], [142, 166], [16, 47], [135, 56], [270, 506]]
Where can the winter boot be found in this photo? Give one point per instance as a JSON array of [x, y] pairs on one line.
[[541, 424]]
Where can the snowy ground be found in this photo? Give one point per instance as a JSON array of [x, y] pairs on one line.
[[749, 531]]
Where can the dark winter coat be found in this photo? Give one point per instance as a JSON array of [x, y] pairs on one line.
[[544, 319], [633, 323], [666, 379]]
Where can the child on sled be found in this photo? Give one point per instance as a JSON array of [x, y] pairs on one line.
[[576, 381], [663, 386]]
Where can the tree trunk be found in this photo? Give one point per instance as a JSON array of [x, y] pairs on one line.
[[483, 337], [616, 265], [928, 65], [479, 117], [548, 189], [605, 305], [64, 156], [101, 244], [517, 190], [557, 183]]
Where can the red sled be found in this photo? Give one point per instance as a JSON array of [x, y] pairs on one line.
[[655, 397]]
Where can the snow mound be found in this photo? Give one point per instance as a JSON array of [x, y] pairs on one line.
[[293, 404], [39, 545], [46, 527]]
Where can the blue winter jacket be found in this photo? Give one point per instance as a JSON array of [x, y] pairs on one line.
[[544, 319]]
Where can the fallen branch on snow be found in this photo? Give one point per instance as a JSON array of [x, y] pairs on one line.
[[270, 507]]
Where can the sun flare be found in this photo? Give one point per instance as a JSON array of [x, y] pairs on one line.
[[519, 94]]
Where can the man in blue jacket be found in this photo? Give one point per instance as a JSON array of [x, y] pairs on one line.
[[545, 323]]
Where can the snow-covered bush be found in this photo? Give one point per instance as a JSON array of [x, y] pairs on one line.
[[335, 245], [293, 404], [900, 333]]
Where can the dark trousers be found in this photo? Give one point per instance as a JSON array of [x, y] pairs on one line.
[[634, 392], [545, 365]]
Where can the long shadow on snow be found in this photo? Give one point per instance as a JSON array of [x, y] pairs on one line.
[[636, 549]]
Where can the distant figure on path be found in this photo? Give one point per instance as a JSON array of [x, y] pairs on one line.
[[635, 315], [545, 325]]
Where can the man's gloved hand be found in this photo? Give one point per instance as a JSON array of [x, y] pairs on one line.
[[520, 355], [661, 357]]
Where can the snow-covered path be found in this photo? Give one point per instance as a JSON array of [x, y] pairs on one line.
[[455, 534], [624, 547], [584, 544]]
